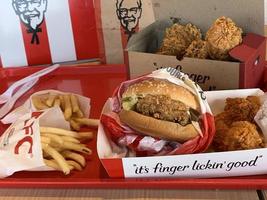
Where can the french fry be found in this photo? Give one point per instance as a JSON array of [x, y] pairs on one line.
[[79, 114], [62, 102], [76, 126], [38, 104], [59, 131], [74, 103], [74, 156], [85, 135], [87, 122], [53, 164], [76, 165], [53, 138], [45, 140], [57, 102], [75, 106], [77, 147], [50, 101], [70, 139], [45, 155], [58, 158], [68, 108]]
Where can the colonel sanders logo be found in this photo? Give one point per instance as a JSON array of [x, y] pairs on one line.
[[129, 12], [31, 13]]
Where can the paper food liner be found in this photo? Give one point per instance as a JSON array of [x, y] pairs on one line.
[[127, 141], [28, 106], [20, 144], [261, 116]]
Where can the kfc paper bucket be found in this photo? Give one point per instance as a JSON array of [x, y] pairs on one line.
[[201, 165]]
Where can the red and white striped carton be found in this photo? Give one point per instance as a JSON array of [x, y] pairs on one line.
[[117, 21], [117, 141], [47, 31], [20, 144]]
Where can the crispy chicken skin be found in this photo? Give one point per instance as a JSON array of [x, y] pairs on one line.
[[235, 128], [164, 108], [178, 38], [197, 49], [240, 135], [223, 36], [241, 109]]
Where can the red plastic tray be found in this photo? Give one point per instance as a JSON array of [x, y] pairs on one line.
[[98, 83]]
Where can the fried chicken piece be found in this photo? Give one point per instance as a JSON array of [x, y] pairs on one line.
[[241, 109], [193, 32], [234, 127], [223, 36], [240, 135], [197, 49], [254, 100], [178, 38]]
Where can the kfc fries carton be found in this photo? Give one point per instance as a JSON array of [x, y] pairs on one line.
[[20, 144], [45, 99], [120, 163], [247, 63], [42, 141]]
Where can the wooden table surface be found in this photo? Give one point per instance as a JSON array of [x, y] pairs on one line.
[[77, 194]]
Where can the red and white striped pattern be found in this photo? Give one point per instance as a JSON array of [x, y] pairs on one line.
[[68, 33]]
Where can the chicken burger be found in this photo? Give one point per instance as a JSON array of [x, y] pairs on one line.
[[161, 109]]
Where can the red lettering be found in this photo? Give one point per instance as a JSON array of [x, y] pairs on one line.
[[21, 142], [36, 114], [28, 131], [28, 128]]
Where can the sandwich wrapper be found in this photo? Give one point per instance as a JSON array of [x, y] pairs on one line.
[[126, 142], [28, 106]]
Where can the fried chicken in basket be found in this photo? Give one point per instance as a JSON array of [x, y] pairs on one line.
[[197, 49], [178, 38], [241, 109], [240, 135], [235, 127], [223, 36]]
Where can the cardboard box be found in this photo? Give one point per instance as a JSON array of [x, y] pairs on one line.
[[47, 32], [117, 21], [246, 72], [221, 164]]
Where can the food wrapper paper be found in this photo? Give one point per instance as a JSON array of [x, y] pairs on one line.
[[127, 142], [20, 145], [28, 106], [261, 116]]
